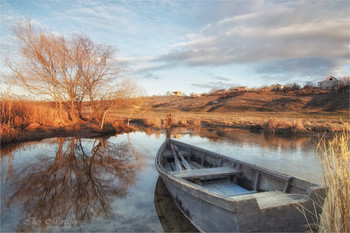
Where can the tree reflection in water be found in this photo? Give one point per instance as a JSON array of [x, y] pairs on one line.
[[78, 183]]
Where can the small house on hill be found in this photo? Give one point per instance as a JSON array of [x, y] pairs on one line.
[[177, 93], [329, 84]]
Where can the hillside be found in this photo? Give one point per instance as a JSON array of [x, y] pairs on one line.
[[274, 101]]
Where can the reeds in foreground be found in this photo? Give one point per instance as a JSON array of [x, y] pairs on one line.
[[335, 157]]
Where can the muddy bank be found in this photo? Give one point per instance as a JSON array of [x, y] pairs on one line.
[[35, 132]]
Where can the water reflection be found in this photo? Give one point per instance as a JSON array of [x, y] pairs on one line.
[[242, 137], [109, 185], [75, 184], [169, 215]]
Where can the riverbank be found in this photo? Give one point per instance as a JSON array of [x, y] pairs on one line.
[[36, 132], [275, 112], [276, 124]]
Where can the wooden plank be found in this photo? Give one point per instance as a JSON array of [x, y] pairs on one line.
[[220, 162], [183, 160], [168, 167], [172, 165], [167, 153], [205, 172], [287, 185], [195, 165], [257, 181], [176, 160], [275, 198], [227, 189], [203, 158]]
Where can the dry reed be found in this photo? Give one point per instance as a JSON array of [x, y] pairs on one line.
[[274, 125], [335, 157]]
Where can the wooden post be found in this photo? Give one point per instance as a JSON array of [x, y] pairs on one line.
[[168, 127]]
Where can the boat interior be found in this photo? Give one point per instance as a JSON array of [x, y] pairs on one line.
[[223, 175]]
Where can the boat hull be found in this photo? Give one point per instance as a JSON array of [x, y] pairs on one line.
[[210, 212]]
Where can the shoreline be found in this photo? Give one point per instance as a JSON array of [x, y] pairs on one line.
[[269, 124], [36, 132], [273, 123]]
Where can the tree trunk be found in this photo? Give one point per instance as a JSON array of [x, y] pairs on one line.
[[61, 113], [72, 111], [103, 118]]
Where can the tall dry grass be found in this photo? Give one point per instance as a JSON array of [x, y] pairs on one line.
[[335, 157], [274, 125], [17, 114]]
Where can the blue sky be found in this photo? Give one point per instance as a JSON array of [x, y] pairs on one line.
[[197, 46]]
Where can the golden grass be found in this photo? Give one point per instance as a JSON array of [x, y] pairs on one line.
[[335, 157], [274, 125], [21, 113], [17, 114]]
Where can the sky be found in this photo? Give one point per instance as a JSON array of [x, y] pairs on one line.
[[196, 46]]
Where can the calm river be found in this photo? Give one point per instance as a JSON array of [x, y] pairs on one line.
[[110, 184]]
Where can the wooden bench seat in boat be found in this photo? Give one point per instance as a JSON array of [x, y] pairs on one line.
[[205, 172], [227, 188], [276, 198]]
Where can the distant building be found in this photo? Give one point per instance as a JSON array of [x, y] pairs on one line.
[[329, 84], [177, 93], [277, 87]]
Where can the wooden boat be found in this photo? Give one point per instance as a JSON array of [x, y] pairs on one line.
[[218, 193]]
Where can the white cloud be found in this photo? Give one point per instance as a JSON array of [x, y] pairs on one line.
[[284, 31], [133, 60]]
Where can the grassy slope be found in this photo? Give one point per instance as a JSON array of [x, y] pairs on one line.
[[293, 112], [273, 103]]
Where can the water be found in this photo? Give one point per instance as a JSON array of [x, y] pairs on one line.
[[110, 184]]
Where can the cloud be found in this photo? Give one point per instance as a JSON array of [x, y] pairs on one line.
[[222, 78], [151, 76], [134, 60], [280, 32], [301, 67], [151, 67]]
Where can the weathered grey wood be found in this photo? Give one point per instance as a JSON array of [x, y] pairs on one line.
[[183, 160], [267, 211], [195, 165], [168, 167], [220, 162], [172, 166], [203, 158], [257, 181], [274, 198], [287, 185], [176, 160], [205, 172], [167, 153]]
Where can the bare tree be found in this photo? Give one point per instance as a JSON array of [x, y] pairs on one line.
[[37, 69], [345, 82], [70, 70]]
